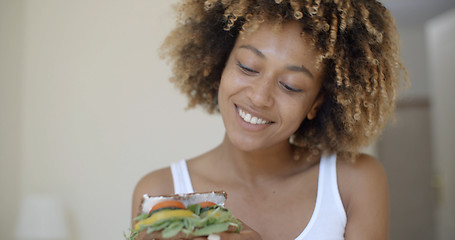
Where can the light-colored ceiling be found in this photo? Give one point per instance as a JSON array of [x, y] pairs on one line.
[[416, 12]]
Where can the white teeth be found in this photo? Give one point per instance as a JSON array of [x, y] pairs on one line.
[[247, 117], [251, 119]]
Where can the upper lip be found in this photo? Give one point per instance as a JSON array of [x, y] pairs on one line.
[[253, 113]]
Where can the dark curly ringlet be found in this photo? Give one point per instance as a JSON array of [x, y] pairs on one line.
[[357, 43]]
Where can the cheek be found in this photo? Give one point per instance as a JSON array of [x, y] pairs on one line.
[[224, 86], [225, 89], [294, 115], [230, 83]]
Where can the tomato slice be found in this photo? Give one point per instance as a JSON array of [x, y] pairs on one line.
[[207, 204], [168, 204]]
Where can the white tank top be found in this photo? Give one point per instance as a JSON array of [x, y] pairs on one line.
[[328, 221]]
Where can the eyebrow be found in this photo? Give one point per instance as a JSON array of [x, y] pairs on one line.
[[300, 69], [292, 68], [254, 50]]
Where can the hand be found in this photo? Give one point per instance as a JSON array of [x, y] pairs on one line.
[[247, 233]]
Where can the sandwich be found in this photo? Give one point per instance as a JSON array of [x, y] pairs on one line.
[[184, 216]]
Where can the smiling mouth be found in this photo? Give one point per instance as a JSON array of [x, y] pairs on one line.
[[247, 117]]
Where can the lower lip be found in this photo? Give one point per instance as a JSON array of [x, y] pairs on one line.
[[249, 126]]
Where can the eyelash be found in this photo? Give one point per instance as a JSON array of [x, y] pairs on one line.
[[246, 70], [250, 71], [289, 88]]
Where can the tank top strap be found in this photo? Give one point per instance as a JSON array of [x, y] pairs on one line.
[[332, 180], [329, 218], [181, 177]]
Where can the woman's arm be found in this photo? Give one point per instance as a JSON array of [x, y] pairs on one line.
[[364, 191], [155, 183]]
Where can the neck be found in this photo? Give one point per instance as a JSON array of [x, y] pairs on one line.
[[255, 167]]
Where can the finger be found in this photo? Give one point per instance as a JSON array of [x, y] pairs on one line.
[[213, 237]]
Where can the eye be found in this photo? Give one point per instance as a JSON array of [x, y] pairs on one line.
[[246, 69], [289, 88]]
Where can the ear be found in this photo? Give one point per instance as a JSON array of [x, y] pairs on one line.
[[316, 106]]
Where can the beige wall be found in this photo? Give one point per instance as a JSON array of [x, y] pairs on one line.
[[405, 147], [86, 99], [86, 108], [441, 49], [11, 58], [417, 150]]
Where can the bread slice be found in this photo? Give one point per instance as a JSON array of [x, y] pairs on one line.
[[218, 197]]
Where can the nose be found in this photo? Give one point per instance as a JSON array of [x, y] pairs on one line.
[[261, 92]]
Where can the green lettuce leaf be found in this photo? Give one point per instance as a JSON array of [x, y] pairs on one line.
[[205, 222], [172, 230], [214, 228]]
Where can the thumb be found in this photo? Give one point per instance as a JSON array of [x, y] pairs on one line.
[[209, 237]]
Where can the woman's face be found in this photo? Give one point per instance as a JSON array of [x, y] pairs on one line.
[[270, 84]]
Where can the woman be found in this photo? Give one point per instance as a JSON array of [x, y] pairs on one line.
[[301, 86]]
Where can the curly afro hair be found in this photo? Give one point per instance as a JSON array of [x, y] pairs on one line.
[[358, 49]]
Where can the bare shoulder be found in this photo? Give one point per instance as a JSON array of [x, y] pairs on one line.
[[364, 192], [361, 175], [364, 166], [158, 182]]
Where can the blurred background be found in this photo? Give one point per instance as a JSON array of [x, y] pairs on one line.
[[86, 110]]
